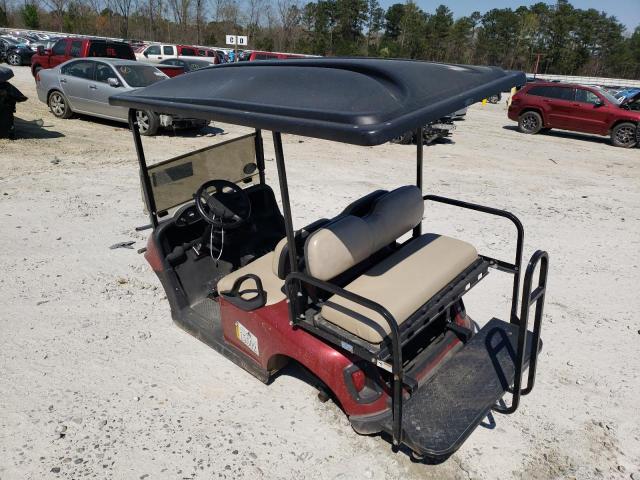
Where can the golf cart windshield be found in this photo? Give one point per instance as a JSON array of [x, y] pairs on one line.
[[174, 181], [140, 75]]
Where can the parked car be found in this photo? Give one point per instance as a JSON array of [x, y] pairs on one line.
[[18, 55], [542, 106], [67, 48], [84, 86], [157, 52], [632, 101], [14, 52], [623, 95], [216, 56], [185, 64], [431, 132], [258, 55]]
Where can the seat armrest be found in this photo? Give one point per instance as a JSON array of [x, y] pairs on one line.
[[236, 296]]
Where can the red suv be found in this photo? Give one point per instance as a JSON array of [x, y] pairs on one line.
[[541, 106], [68, 48]]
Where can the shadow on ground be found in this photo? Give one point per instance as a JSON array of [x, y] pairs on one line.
[[566, 134], [163, 132], [28, 129]]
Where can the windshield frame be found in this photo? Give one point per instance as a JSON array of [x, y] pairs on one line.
[[160, 200]]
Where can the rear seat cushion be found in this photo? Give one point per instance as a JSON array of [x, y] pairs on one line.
[[342, 244], [401, 283]]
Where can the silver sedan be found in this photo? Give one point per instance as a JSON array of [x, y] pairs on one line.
[[84, 85]]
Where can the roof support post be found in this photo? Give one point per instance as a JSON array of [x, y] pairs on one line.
[[293, 290], [260, 155], [417, 231], [144, 173], [286, 205]]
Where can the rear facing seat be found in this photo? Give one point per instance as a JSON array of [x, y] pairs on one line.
[[402, 282]]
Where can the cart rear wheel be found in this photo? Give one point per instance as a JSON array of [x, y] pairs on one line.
[[530, 123]]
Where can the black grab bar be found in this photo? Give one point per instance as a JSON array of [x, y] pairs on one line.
[[528, 299], [397, 370], [514, 268]]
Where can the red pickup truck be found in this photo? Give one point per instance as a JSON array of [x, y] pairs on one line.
[[541, 106], [70, 47]]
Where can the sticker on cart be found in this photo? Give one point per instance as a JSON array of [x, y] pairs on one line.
[[248, 338]]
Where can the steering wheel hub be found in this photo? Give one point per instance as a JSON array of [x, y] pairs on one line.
[[223, 204]]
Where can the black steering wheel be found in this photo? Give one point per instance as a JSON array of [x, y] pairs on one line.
[[212, 200]]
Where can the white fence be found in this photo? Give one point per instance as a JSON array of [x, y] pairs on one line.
[[605, 82]]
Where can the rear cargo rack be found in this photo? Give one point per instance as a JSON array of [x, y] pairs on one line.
[[389, 355]]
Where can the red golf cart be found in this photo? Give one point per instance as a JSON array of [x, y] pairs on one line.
[[380, 322]]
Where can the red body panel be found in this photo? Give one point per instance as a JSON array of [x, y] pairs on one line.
[[569, 113], [277, 337]]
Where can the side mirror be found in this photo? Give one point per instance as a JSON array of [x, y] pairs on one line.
[[599, 104], [40, 50], [145, 54], [113, 82]]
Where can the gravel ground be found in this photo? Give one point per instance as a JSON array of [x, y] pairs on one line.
[[98, 382]]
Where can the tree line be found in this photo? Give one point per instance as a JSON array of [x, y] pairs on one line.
[[558, 38]]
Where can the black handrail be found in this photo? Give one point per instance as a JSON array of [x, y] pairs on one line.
[[516, 268], [528, 299], [396, 351]]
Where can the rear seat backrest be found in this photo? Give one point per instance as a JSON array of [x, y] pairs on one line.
[[335, 248]]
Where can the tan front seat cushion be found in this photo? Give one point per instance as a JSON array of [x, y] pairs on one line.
[[262, 267], [401, 283]]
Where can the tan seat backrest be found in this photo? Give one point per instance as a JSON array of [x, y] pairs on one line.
[[333, 249]]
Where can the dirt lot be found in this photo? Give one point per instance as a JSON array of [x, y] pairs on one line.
[[98, 382]]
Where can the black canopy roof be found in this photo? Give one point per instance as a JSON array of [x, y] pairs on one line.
[[361, 101]]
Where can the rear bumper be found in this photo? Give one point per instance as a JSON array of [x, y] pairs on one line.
[[42, 95]]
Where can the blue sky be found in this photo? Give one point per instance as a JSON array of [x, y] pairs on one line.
[[627, 11]]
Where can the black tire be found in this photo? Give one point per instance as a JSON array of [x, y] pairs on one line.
[[59, 105], [530, 122], [148, 122], [14, 59], [624, 135]]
